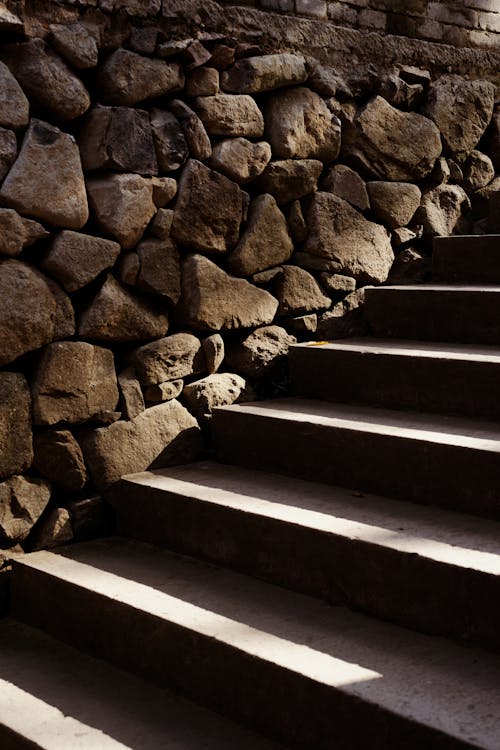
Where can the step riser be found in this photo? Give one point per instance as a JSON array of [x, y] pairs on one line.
[[10, 740], [459, 478], [401, 382], [277, 701], [467, 260], [393, 585]]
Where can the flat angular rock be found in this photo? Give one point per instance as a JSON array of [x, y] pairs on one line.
[[53, 530], [347, 184], [76, 259], [193, 129], [161, 436], [208, 211], [302, 324], [478, 171], [358, 247], [119, 139], [22, 502], [162, 223], [222, 389], [16, 454], [128, 78], [252, 75], [122, 205], [76, 44], [441, 209], [160, 269], [212, 300], [14, 106], [34, 310], [158, 394], [240, 159], [117, 315], [299, 125], [462, 110], [170, 143], [164, 190], [8, 151], [298, 292], [16, 232], [203, 82], [169, 358], [132, 399], [46, 181], [388, 144], [265, 241], [227, 114], [59, 458], [345, 319], [47, 80], [337, 285], [261, 352], [394, 203], [214, 351], [290, 179], [74, 381]]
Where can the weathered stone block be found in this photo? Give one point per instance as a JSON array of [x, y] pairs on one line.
[[169, 358], [76, 259], [128, 78]]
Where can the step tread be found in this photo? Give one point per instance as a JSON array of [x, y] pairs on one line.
[[449, 430], [454, 538], [436, 287], [61, 699], [433, 682]]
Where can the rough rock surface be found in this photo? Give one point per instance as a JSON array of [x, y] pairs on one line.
[[131, 397], [337, 285], [74, 382], [298, 292], [59, 458], [222, 389], [16, 442], [116, 315], [160, 436], [203, 82], [345, 319], [193, 129], [359, 248], [128, 78], [208, 211], [214, 351], [8, 151], [75, 259], [289, 179], [170, 143], [347, 184], [255, 74], [213, 300], [441, 209], [53, 530], [394, 203], [159, 271], [299, 125], [169, 358], [162, 392], [164, 190], [265, 241], [46, 181], [230, 115], [478, 171], [410, 267], [76, 44], [16, 232], [261, 352], [302, 324], [296, 222], [240, 159], [22, 502], [14, 106]]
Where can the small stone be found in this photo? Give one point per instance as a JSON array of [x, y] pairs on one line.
[[264, 73], [410, 267], [478, 171], [347, 184], [213, 350], [160, 270], [122, 205], [222, 56], [261, 353], [403, 236], [223, 389], [164, 190], [46, 181], [412, 74], [240, 159], [314, 262], [193, 129], [143, 40], [76, 259], [345, 319], [128, 78], [290, 179], [128, 268], [14, 106], [8, 151], [162, 392], [165, 50], [324, 79], [169, 140], [73, 382], [118, 138], [303, 324], [22, 502], [441, 173], [132, 400], [264, 278], [162, 223], [203, 82], [233, 115], [298, 292], [76, 44], [59, 458], [116, 315], [456, 173], [394, 203], [16, 232], [195, 55], [15, 424], [9, 22], [337, 285], [401, 94], [169, 358], [441, 209], [53, 530], [161, 436]]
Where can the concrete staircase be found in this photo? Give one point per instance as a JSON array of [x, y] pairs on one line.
[[331, 582]]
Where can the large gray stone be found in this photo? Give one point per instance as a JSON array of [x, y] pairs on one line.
[[160, 269], [22, 502], [169, 140], [128, 78], [222, 389], [290, 179], [394, 203], [75, 259], [16, 232], [298, 292], [169, 358], [14, 106], [8, 151], [261, 352], [59, 458], [252, 75], [234, 115], [16, 454], [160, 436], [46, 180], [240, 159]]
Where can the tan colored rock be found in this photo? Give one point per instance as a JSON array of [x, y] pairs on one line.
[[478, 171], [336, 285], [261, 352], [265, 278], [388, 144], [394, 203], [16, 232], [76, 259], [214, 352], [34, 310], [230, 114], [252, 75], [193, 129], [22, 502], [160, 269], [358, 247], [410, 267], [302, 324], [290, 179], [161, 225], [298, 292], [59, 458], [76, 44], [161, 436], [401, 94], [345, 319], [212, 300], [128, 78], [240, 159], [169, 358], [462, 110], [128, 268], [16, 454], [441, 209], [299, 125], [265, 241], [169, 140], [122, 205], [74, 381], [296, 223], [203, 82], [208, 211], [46, 181], [222, 389], [47, 80], [8, 151], [158, 394], [164, 190], [14, 106], [116, 315], [53, 530], [347, 184], [132, 399]]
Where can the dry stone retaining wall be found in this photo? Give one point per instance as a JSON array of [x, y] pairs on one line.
[[174, 213]]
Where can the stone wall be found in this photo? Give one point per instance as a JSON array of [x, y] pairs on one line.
[[179, 204]]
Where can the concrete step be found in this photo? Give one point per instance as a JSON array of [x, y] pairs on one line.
[[312, 675], [448, 461], [437, 312], [441, 378], [56, 698], [468, 259], [386, 557]]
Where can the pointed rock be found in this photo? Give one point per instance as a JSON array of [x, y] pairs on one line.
[[160, 269], [76, 44], [16, 232], [128, 78], [22, 502], [59, 458], [169, 358], [298, 292], [193, 129], [76, 259], [14, 106], [170, 143], [394, 203], [53, 530]]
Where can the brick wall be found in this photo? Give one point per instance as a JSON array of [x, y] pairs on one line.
[[464, 23]]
